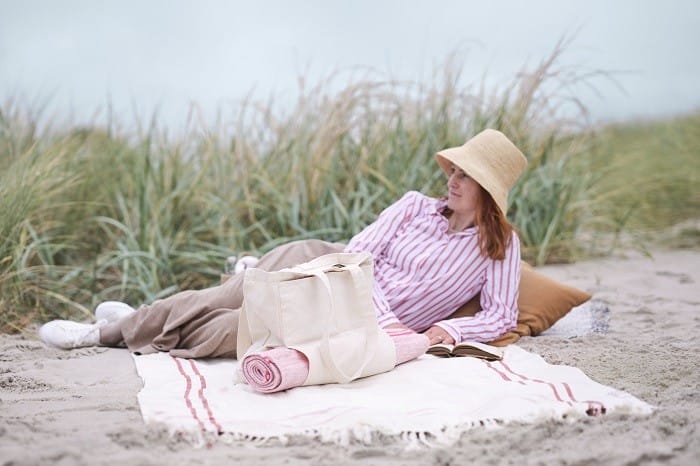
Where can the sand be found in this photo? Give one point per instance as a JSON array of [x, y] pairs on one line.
[[79, 407]]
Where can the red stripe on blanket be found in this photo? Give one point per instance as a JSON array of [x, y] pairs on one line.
[[594, 407], [188, 388], [555, 392], [203, 398], [503, 375]]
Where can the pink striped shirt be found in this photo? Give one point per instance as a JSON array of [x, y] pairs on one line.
[[423, 273]]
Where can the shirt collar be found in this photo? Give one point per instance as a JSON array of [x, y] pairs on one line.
[[438, 209], [439, 206]]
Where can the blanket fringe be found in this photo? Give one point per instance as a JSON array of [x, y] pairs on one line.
[[357, 435], [364, 435]]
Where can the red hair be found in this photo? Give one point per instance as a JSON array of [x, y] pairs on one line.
[[495, 231]]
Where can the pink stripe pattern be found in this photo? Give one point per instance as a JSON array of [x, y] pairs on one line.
[[186, 395], [202, 397], [282, 368], [423, 273], [560, 394], [194, 406]]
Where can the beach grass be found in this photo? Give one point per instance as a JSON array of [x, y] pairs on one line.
[[90, 213], [653, 171]]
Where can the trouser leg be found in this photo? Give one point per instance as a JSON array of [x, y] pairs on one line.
[[196, 323], [204, 323]]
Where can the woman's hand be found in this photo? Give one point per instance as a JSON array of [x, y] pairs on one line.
[[439, 335]]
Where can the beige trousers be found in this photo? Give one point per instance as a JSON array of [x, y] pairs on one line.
[[204, 323]]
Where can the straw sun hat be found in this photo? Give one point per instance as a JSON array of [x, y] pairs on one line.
[[491, 160]]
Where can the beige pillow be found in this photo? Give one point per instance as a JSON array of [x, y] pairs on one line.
[[542, 301]]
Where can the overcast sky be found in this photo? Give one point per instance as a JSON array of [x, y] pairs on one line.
[[169, 53]]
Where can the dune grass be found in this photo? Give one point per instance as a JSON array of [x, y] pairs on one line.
[[646, 190], [653, 171], [95, 213]]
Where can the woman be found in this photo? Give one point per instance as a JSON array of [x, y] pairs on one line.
[[431, 256]]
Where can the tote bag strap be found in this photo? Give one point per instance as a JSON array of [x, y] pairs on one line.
[[369, 325]]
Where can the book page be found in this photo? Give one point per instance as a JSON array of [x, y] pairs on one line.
[[482, 350]]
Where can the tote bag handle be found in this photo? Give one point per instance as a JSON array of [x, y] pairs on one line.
[[370, 323]]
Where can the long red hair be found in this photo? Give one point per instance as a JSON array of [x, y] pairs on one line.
[[495, 231]]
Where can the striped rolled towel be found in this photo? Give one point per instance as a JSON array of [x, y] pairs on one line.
[[282, 368]]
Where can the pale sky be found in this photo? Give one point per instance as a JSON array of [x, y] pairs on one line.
[[79, 54]]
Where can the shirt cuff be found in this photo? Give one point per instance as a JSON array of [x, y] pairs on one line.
[[450, 329]]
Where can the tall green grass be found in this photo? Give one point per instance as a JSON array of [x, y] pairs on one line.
[[95, 213], [652, 171]]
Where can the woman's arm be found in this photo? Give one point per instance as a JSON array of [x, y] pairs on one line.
[[377, 235], [499, 301], [375, 238]]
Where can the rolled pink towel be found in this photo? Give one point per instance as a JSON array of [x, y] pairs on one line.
[[283, 368], [275, 369]]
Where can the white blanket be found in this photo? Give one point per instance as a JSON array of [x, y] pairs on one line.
[[427, 400]]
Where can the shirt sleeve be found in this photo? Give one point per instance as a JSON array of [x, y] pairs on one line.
[[375, 238], [499, 301]]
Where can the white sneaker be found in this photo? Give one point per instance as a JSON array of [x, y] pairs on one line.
[[112, 311], [245, 262], [67, 334]]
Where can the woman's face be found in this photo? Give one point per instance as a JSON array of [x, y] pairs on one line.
[[462, 191]]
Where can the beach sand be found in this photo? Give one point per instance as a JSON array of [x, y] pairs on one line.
[[79, 407]]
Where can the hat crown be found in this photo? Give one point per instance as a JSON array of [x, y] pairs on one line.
[[490, 159]]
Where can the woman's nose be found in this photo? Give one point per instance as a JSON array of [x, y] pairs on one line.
[[452, 180]]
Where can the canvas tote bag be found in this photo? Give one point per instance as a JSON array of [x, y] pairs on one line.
[[322, 308]]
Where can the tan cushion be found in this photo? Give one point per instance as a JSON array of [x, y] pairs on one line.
[[542, 301]]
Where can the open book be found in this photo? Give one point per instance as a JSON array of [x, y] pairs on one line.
[[467, 348]]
